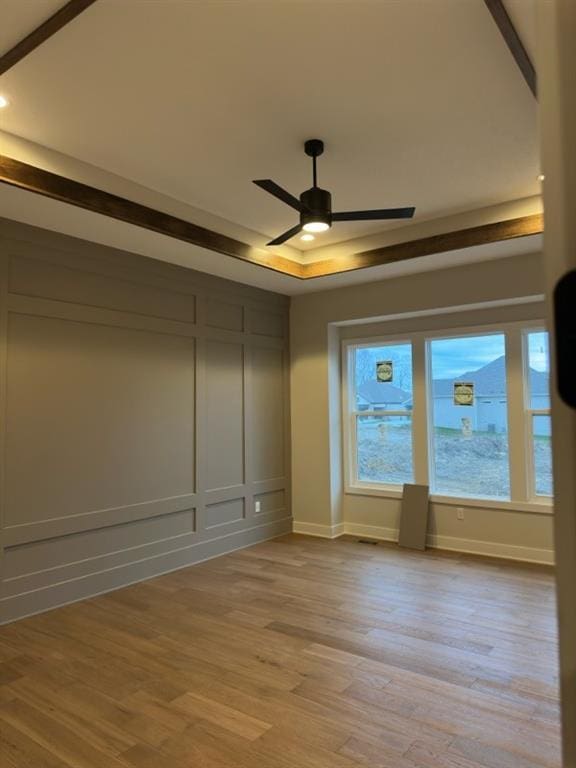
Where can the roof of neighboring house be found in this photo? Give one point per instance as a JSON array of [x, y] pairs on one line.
[[381, 392], [490, 380]]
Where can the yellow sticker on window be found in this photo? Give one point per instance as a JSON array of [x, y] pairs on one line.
[[463, 393], [385, 370]]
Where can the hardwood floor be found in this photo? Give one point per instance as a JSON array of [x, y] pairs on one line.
[[297, 652]]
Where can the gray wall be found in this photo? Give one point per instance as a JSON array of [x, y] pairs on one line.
[[145, 411], [457, 296]]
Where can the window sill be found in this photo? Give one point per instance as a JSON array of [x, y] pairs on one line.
[[535, 507]]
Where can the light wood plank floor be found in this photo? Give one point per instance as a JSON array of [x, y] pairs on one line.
[[295, 653]]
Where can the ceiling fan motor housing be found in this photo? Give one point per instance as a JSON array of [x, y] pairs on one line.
[[316, 206]]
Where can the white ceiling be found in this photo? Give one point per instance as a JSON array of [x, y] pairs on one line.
[[419, 102]]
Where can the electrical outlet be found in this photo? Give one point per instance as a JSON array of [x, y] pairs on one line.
[[460, 513], [257, 506]]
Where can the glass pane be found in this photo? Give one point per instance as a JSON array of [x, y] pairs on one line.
[[470, 417], [383, 377], [538, 370], [542, 447], [385, 449]]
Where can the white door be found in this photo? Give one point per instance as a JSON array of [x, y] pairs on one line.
[[557, 100]]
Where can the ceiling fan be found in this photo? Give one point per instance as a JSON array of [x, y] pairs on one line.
[[315, 204]]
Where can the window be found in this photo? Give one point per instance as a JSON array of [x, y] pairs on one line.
[[469, 415], [466, 413], [381, 394], [539, 427]]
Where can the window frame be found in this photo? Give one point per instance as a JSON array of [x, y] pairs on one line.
[[529, 414], [494, 331], [351, 416], [519, 448]]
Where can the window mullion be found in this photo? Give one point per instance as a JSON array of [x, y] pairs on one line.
[[530, 465], [419, 411], [352, 449], [517, 421]]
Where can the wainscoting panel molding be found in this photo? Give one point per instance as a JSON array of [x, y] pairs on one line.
[[145, 410]]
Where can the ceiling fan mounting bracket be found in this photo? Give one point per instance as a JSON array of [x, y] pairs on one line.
[[314, 147]]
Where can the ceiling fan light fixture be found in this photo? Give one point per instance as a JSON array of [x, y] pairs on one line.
[[316, 226], [316, 210]]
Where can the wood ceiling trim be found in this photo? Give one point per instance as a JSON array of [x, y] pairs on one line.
[[39, 181], [50, 27], [513, 41], [48, 184], [449, 241]]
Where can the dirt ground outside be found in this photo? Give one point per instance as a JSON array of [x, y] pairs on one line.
[[474, 465]]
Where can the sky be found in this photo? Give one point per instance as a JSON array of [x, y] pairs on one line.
[[451, 357], [538, 351]]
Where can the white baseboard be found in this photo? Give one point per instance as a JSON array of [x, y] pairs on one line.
[[371, 531], [434, 541], [492, 549], [314, 529]]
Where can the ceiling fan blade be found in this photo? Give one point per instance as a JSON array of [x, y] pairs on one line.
[[274, 189], [382, 213], [285, 235]]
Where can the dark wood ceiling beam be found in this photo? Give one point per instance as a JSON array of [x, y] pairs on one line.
[[443, 243], [18, 174], [513, 41], [54, 24], [37, 180]]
